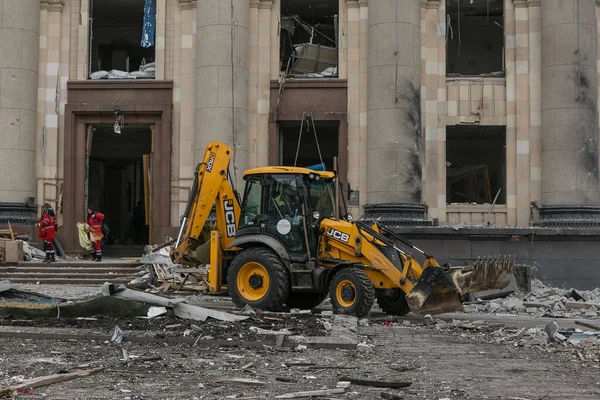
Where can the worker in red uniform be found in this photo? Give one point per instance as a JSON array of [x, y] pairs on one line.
[[95, 220], [47, 231]]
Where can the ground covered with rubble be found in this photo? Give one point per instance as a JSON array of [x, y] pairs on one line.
[[544, 344]]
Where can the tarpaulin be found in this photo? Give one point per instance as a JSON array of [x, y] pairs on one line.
[[149, 26], [84, 241]]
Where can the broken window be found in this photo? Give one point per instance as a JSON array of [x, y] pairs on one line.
[[122, 39], [305, 145], [475, 37], [476, 164], [309, 32]]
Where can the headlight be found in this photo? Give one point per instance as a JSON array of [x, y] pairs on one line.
[[349, 216], [316, 215]]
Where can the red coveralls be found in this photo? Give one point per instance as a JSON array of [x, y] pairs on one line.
[[95, 222], [47, 233]]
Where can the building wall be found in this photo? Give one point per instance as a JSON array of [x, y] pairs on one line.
[[513, 100]]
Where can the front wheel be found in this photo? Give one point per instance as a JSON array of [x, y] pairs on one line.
[[351, 292], [259, 278]]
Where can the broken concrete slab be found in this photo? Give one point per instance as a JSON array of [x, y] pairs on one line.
[[182, 310], [5, 285], [343, 335]]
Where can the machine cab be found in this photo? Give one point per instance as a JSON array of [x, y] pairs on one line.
[[286, 203]]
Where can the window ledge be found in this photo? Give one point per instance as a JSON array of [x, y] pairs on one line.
[[467, 208], [457, 80]]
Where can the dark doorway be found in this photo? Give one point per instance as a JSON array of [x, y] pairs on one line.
[[308, 152], [476, 164], [116, 181]]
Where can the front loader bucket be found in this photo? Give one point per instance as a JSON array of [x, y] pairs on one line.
[[491, 273], [434, 293]]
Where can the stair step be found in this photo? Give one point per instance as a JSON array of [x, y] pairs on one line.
[[70, 281], [11, 276], [73, 264], [59, 270]]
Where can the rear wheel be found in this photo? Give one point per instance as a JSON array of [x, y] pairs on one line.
[[351, 292], [305, 301], [259, 278], [392, 301]]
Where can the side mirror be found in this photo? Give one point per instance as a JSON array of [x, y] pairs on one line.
[[262, 218], [349, 195]]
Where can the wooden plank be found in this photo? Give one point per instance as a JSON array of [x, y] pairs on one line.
[[56, 378], [146, 166], [588, 325], [12, 234], [312, 393], [245, 381], [376, 383]]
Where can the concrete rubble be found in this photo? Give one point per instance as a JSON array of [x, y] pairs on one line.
[[544, 301]]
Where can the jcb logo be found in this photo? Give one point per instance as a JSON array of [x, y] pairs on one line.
[[211, 162], [229, 218], [344, 237]]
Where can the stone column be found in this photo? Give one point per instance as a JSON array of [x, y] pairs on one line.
[[222, 58], [510, 62], [353, 71], [535, 98], [19, 52], [394, 134], [522, 98], [570, 173]]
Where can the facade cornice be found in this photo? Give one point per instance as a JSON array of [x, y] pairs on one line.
[[432, 4], [52, 5], [353, 4], [520, 3], [538, 3], [265, 4], [187, 4], [363, 3]]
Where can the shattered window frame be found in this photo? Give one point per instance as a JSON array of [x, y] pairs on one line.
[[138, 51], [318, 55], [463, 17]]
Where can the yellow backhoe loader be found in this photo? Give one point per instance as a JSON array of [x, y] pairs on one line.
[[287, 245]]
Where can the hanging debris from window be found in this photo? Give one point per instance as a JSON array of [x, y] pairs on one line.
[[149, 23]]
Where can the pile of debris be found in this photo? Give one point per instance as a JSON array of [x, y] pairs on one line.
[[16, 248], [163, 275], [544, 301]]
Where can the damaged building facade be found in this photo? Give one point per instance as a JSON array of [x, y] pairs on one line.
[[459, 110]]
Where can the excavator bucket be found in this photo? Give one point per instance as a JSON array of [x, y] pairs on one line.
[[439, 291], [434, 293]]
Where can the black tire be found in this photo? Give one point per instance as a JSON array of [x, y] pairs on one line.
[[356, 285], [278, 286], [305, 301], [392, 302]]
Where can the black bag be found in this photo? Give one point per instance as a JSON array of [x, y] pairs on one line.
[[105, 230]]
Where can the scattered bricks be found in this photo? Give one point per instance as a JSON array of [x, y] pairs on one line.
[[531, 310], [590, 314], [572, 305], [537, 305], [535, 342]]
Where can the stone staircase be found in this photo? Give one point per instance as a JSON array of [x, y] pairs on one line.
[[75, 273]]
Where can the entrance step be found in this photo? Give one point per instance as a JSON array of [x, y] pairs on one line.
[[69, 281]]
